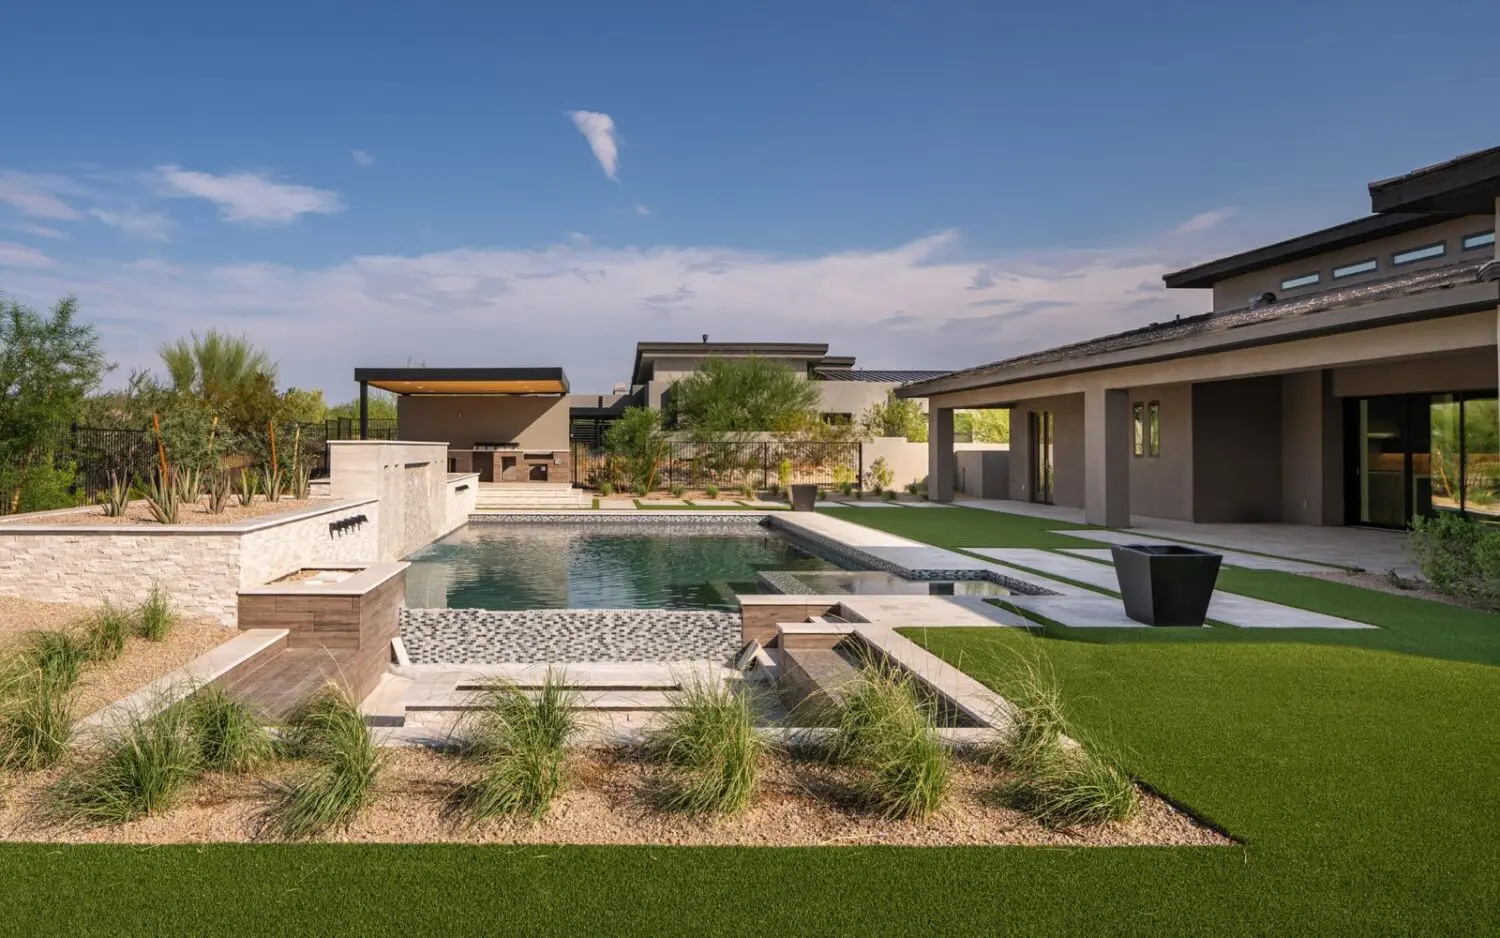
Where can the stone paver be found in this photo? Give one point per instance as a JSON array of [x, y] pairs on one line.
[[1230, 608], [617, 504], [910, 611], [1232, 558]]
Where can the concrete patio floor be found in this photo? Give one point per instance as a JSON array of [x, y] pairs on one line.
[[1366, 548]]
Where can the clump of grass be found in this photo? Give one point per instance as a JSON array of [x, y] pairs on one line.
[[710, 748], [228, 733], [1060, 783], [155, 617], [145, 765], [107, 631], [58, 658], [885, 730], [328, 730], [36, 714], [711, 491], [520, 742]]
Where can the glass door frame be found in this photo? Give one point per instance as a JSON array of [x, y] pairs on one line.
[[1042, 429]]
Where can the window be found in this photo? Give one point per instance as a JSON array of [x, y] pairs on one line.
[[1412, 255], [1153, 432], [1138, 422], [1306, 280], [1355, 269], [1483, 239]]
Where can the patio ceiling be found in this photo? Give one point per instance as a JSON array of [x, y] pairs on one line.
[[465, 380]]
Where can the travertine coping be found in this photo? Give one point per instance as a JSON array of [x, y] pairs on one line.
[[368, 577], [16, 525]]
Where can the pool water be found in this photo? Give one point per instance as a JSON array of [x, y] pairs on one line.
[[588, 566]]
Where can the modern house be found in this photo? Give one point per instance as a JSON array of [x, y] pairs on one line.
[[519, 424], [1347, 376]]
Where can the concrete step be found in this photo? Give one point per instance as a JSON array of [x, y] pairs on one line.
[[461, 699]]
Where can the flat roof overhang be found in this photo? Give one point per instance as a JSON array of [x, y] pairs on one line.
[[467, 381], [810, 351], [1464, 185], [1435, 304]]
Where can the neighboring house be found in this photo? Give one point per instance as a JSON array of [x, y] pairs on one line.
[[1347, 376]]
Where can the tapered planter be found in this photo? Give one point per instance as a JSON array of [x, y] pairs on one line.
[[1166, 584], [804, 497]]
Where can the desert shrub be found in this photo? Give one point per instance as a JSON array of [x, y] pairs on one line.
[[606, 489], [677, 489], [879, 476], [228, 733], [711, 490], [155, 617], [107, 631], [144, 766], [1458, 556], [747, 490], [710, 748], [328, 731], [520, 743], [784, 474], [890, 495], [885, 730]]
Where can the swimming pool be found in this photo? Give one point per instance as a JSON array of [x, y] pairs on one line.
[[599, 566]]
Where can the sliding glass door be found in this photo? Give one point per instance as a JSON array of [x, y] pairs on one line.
[[1421, 454], [1042, 451]]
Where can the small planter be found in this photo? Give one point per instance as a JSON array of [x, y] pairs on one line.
[[804, 497], [1166, 584]]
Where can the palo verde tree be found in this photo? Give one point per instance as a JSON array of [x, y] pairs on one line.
[[728, 397], [896, 417], [48, 364]]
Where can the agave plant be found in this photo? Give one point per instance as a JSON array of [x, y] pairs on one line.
[[188, 486], [117, 497], [301, 483], [249, 484], [219, 489], [275, 483], [161, 498]]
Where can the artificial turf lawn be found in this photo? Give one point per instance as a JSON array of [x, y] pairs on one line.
[[1359, 768]]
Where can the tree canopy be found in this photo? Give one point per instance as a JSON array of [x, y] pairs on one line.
[[982, 426], [216, 366], [896, 417], [742, 395]]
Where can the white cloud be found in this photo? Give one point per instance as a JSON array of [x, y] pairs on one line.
[[19, 255], [1203, 221], [363, 158], [599, 130], [642, 209], [38, 194], [40, 231], [249, 198], [149, 226]]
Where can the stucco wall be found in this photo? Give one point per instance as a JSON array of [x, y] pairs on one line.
[[200, 567], [539, 423], [1312, 450], [1067, 461], [854, 397], [1471, 370], [983, 470], [1162, 486], [907, 461], [1237, 450], [1237, 291]]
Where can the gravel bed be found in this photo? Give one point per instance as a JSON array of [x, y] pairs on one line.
[[610, 801], [139, 513]]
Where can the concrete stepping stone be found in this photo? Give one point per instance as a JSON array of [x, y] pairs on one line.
[[1233, 558]]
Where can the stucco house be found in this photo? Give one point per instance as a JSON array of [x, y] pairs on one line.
[[1347, 376]]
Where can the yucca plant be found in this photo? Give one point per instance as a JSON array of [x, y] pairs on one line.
[[117, 495], [520, 742], [162, 499], [106, 632], [274, 482], [145, 764], [36, 716], [711, 749], [228, 733], [328, 731], [247, 487], [885, 731], [155, 616], [220, 487]]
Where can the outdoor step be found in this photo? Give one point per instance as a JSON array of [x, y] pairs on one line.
[[588, 700]]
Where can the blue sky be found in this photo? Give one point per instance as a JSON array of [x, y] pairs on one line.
[[923, 185]]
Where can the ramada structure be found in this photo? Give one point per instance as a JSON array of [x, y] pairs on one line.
[[1347, 376], [518, 424]]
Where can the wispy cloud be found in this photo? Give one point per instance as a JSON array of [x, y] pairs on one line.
[[20, 255], [1203, 221], [249, 198], [363, 157], [149, 226], [38, 195], [39, 231], [641, 209], [599, 130]]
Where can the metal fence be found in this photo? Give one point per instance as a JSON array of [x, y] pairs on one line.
[[726, 465]]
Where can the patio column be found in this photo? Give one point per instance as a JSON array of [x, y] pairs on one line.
[[1106, 457], [364, 410], [940, 463]]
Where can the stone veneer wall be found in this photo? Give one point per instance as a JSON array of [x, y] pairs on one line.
[[411, 481], [201, 567]]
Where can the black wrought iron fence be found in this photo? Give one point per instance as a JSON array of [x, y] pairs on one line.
[[726, 465]]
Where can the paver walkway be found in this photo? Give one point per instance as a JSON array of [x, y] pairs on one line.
[[1232, 558]]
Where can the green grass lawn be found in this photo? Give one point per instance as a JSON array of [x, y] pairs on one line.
[[1361, 771]]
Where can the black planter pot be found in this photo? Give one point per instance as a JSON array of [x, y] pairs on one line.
[[1167, 584], [804, 497]]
